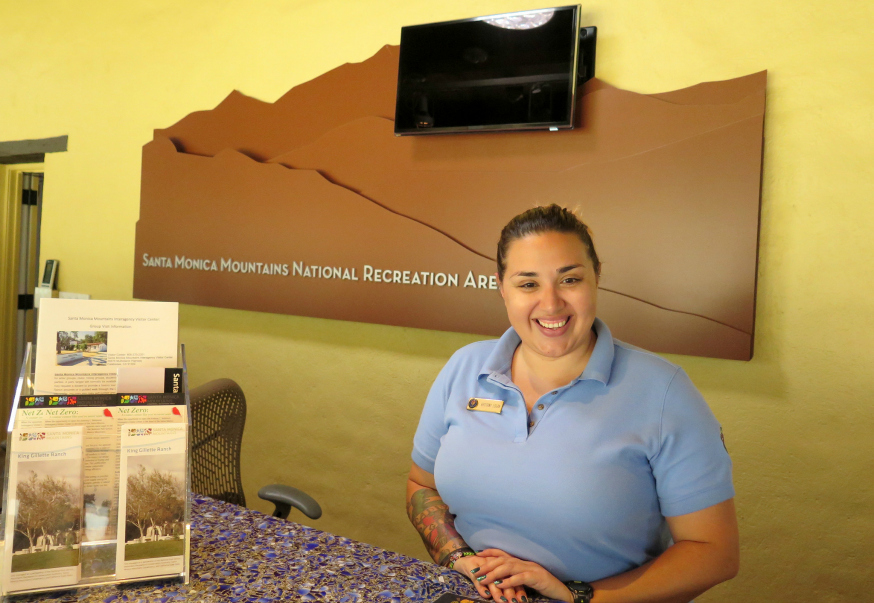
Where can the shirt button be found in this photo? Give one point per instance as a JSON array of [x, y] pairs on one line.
[[531, 424], [540, 407], [554, 393]]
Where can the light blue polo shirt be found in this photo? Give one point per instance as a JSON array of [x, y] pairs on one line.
[[583, 484]]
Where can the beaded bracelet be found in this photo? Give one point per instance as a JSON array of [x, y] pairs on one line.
[[457, 554]]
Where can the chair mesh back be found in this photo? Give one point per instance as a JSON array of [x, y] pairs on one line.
[[218, 415]]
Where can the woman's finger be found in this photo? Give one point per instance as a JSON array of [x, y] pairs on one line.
[[521, 596], [508, 594], [502, 570], [493, 553], [504, 578], [485, 566], [501, 593], [483, 590], [490, 592]]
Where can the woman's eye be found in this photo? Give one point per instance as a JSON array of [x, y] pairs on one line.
[[571, 280], [527, 285]]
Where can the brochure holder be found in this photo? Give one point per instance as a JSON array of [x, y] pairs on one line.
[[106, 553]]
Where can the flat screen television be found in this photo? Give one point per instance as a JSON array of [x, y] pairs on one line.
[[500, 72]]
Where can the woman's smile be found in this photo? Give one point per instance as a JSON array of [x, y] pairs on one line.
[[554, 327]]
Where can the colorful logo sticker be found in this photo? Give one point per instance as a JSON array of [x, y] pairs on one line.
[[134, 399], [139, 431], [34, 401], [32, 436]]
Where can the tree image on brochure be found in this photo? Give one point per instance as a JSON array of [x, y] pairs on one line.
[[47, 523], [155, 510]]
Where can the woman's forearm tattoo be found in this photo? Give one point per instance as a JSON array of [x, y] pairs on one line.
[[436, 525]]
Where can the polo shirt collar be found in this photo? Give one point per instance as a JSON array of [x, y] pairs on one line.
[[601, 362], [498, 362]]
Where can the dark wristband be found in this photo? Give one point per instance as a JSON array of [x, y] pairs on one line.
[[581, 591]]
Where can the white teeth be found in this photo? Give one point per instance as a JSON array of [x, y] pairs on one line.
[[552, 325]]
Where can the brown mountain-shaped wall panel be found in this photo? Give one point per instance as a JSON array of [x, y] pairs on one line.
[[670, 183], [619, 124], [263, 130], [276, 221], [266, 130], [717, 93], [282, 216], [722, 92], [669, 223], [655, 330]]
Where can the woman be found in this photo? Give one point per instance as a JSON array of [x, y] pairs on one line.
[[563, 461]]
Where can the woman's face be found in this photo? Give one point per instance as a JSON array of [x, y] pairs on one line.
[[550, 289]]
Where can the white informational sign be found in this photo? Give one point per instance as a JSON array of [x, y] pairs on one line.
[[152, 495], [81, 344], [45, 509]]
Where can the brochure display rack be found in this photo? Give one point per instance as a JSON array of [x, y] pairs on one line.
[[96, 486]]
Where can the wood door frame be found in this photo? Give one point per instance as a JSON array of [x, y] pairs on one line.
[[10, 238]]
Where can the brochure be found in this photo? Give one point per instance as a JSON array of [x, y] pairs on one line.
[[151, 500], [102, 416], [44, 517], [81, 344]]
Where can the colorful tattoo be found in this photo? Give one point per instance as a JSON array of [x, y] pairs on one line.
[[436, 525]]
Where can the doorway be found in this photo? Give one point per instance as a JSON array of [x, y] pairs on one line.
[[21, 187]]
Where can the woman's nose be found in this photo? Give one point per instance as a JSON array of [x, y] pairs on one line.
[[550, 299]]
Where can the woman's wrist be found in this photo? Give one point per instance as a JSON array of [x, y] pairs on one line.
[[449, 560], [581, 592]]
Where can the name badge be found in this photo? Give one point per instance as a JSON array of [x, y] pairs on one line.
[[485, 405]]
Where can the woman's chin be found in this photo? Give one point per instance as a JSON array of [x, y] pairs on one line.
[[551, 349]]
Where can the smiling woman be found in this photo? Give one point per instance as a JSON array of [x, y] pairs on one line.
[[582, 459]]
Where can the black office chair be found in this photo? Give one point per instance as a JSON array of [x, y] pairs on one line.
[[218, 415]]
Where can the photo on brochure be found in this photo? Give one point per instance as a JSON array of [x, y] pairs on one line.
[[152, 500], [87, 348], [45, 525], [155, 506]]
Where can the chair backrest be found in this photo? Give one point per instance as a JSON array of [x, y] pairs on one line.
[[218, 415]]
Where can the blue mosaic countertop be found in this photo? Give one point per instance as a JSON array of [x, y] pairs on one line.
[[242, 556]]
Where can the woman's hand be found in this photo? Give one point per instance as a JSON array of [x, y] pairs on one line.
[[470, 566], [503, 572]]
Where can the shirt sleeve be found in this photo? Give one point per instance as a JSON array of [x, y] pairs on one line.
[[692, 468], [432, 423]]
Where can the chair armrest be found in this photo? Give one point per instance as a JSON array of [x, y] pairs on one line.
[[286, 497]]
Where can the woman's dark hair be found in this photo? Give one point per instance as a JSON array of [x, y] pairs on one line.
[[538, 220]]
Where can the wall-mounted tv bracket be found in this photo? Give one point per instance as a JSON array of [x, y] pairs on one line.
[[586, 59]]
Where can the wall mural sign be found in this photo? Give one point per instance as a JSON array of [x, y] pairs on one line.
[[311, 206]]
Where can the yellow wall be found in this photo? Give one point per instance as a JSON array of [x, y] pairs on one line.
[[333, 405]]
